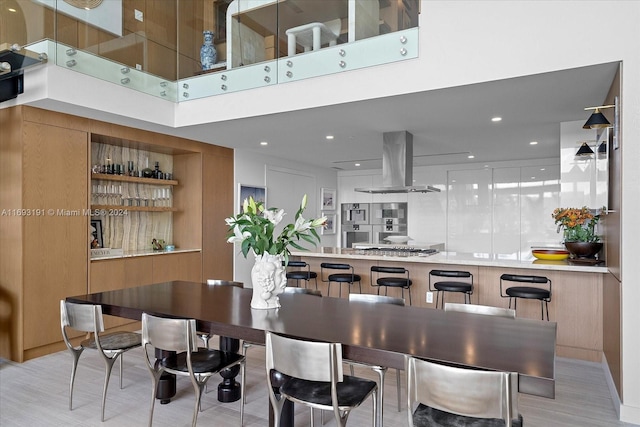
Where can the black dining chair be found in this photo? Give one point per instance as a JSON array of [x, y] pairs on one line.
[[441, 395], [339, 278], [199, 364], [313, 376]]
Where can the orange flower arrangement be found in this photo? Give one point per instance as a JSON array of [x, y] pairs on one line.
[[578, 223]]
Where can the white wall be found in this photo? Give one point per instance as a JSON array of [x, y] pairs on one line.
[[286, 184]]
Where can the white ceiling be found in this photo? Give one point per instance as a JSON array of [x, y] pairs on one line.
[[447, 124]]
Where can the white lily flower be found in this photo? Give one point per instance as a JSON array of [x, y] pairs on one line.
[[238, 236], [318, 222], [274, 216], [301, 225], [230, 221]]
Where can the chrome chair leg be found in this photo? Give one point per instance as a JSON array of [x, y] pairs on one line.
[[121, 363], [76, 356], [399, 385], [378, 399], [107, 374]]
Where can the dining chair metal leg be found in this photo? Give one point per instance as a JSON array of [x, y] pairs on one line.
[[107, 374], [398, 383], [378, 401], [76, 356]]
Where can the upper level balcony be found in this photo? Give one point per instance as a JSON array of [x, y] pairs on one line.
[[180, 50]]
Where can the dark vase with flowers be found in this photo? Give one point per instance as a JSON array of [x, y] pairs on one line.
[[580, 237]]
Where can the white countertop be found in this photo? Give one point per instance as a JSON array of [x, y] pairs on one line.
[[148, 252], [457, 258]]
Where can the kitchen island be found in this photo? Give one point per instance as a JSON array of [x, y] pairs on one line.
[[576, 302]]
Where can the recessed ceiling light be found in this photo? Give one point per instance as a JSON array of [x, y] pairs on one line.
[[329, 137], [533, 177], [471, 156], [542, 169], [12, 10], [533, 143], [264, 143], [357, 164], [496, 119]]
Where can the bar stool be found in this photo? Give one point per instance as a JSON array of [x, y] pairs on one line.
[[298, 275], [402, 282], [527, 292], [465, 285], [340, 278]]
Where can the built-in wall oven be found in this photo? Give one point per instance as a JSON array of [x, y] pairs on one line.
[[388, 219], [355, 213], [355, 224], [355, 233]]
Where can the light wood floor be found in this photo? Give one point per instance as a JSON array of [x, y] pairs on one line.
[[35, 394]]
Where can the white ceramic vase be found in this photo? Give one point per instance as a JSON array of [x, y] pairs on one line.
[[269, 279]]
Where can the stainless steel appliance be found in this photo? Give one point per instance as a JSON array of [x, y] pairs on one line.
[[398, 251], [388, 219], [355, 233], [355, 213]]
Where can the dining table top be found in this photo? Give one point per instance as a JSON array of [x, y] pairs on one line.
[[379, 334]]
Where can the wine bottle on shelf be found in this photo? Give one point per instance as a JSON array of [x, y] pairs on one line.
[[147, 172], [157, 173]]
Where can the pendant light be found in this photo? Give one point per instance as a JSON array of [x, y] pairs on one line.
[[584, 150], [597, 119]]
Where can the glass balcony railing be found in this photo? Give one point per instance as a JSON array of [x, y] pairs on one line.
[[181, 50]]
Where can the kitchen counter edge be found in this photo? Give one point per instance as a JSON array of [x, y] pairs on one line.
[[453, 258]]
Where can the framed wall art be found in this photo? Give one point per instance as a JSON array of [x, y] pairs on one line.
[[328, 199], [96, 234], [330, 225], [259, 194]]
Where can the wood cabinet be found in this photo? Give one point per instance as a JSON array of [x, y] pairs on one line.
[[45, 186]]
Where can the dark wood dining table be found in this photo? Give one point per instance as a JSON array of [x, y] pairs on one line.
[[377, 334]]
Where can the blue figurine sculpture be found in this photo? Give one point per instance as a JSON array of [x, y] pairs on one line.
[[208, 52]]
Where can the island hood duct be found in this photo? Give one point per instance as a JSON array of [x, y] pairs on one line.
[[397, 166]]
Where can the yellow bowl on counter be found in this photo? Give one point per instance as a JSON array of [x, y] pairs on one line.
[[550, 254]]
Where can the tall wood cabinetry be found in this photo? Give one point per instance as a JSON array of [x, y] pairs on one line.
[[46, 204]]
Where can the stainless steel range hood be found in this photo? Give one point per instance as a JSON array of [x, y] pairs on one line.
[[397, 166]]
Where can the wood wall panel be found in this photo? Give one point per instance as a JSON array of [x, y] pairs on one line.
[[55, 244], [187, 196], [11, 228], [161, 23], [128, 15], [177, 266], [217, 204], [120, 273]]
